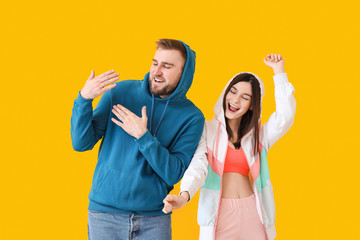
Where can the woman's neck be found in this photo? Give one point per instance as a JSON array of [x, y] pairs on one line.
[[234, 125]]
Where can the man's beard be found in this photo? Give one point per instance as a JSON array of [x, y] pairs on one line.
[[165, 90]]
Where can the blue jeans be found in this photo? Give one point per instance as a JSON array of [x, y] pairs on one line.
[[113, 226]]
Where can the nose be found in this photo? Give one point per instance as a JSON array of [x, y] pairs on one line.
[[157, 71], [237, 100]]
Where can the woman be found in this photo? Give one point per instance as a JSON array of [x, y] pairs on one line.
[[236, 201]]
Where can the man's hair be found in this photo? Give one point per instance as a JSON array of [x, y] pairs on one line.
[[165, 43]]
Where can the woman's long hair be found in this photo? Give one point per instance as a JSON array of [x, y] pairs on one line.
[[250, 120]]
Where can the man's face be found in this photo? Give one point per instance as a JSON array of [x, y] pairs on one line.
[[165, 71]]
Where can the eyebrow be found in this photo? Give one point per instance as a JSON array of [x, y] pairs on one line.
[[166, 63], [238, 90]]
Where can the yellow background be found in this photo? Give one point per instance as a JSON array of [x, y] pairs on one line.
[[48, 49]]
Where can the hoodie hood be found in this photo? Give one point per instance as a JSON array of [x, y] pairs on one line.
[[185, 80], [219, 110]]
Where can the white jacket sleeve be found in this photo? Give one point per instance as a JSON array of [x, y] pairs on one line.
[[195, 175], [283, 118]]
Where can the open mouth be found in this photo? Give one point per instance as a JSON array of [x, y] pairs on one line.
[[157, 80], [232, 108]]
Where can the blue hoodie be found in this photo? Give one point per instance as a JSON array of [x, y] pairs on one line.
[[135, 175]]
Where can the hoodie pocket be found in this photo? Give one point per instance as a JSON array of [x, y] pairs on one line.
[[119, 189], [98, 181], [109, 188]]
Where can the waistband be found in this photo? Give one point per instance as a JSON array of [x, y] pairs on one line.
[[238, 202]]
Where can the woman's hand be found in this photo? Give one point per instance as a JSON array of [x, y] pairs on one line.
[[276, 62], [172, 202]]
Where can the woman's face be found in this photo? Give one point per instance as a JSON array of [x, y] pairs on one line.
[[238, 100]]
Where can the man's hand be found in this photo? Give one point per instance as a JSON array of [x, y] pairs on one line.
[[95, 86], [131, 123], [276, 62], [172, 202]]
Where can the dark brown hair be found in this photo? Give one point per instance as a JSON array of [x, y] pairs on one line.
[[172, 44], [250, 120]]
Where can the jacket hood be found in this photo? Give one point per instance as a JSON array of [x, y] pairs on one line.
[[219, 110], [185, 80]]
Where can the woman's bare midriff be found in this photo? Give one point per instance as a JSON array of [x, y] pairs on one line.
[[235, 185]]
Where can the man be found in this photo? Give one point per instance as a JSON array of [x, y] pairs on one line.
[[140, 158]]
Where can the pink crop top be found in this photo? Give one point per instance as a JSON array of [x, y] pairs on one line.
[[235, 161]]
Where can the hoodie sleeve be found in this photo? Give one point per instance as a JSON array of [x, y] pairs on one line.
[[283, 118], [88, 126], [171, 165]]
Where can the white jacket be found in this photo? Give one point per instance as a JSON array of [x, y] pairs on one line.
[[206, 167]]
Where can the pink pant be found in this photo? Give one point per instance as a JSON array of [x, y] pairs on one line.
[[239, 220]]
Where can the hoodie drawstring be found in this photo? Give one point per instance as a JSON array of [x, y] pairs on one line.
[[152, 111]]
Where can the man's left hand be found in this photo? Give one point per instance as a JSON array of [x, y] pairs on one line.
[[131, 123]]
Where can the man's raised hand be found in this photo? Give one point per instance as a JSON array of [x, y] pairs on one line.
[[95, 86]]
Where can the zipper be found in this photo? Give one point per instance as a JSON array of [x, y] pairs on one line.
[[262, 215], [221, 177], [257, 194]]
